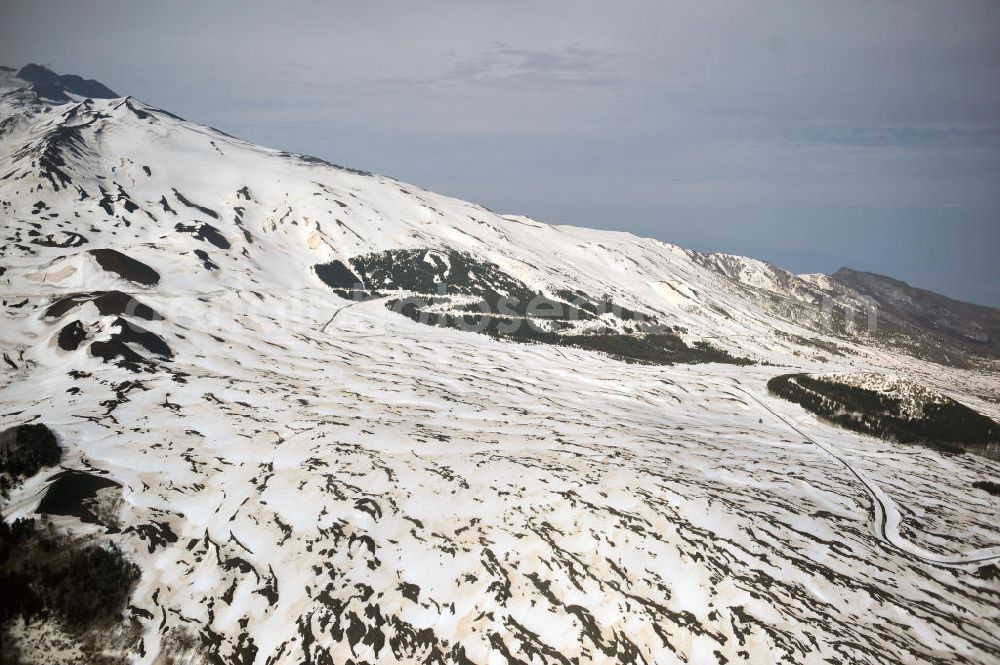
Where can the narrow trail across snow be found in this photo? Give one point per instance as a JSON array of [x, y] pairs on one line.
[[886, 518]]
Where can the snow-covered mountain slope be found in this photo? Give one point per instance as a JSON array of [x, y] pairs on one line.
[[309, 476]]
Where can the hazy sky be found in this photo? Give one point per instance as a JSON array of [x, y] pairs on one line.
[[813, 135]]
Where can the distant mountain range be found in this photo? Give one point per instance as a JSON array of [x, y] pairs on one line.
[[48, 85], [951, 326]]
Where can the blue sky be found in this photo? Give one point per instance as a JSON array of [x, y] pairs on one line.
[[813, 135]]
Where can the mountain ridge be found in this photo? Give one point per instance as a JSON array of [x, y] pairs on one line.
[[46, 83], [41, 76]]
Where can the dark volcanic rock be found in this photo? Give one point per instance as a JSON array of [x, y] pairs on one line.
[[204, 232], [107, 302], [121, 343], [125, 266], [71, 335], [69, 492]]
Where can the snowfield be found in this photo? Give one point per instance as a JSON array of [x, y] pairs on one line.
[[309, 478]]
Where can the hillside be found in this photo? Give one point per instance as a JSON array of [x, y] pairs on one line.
[[254, 365]]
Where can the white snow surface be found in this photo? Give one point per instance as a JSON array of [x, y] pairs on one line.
[[333, 482]]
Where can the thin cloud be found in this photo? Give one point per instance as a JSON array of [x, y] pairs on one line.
[[897, 135], [570, 66], [500, 67]]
